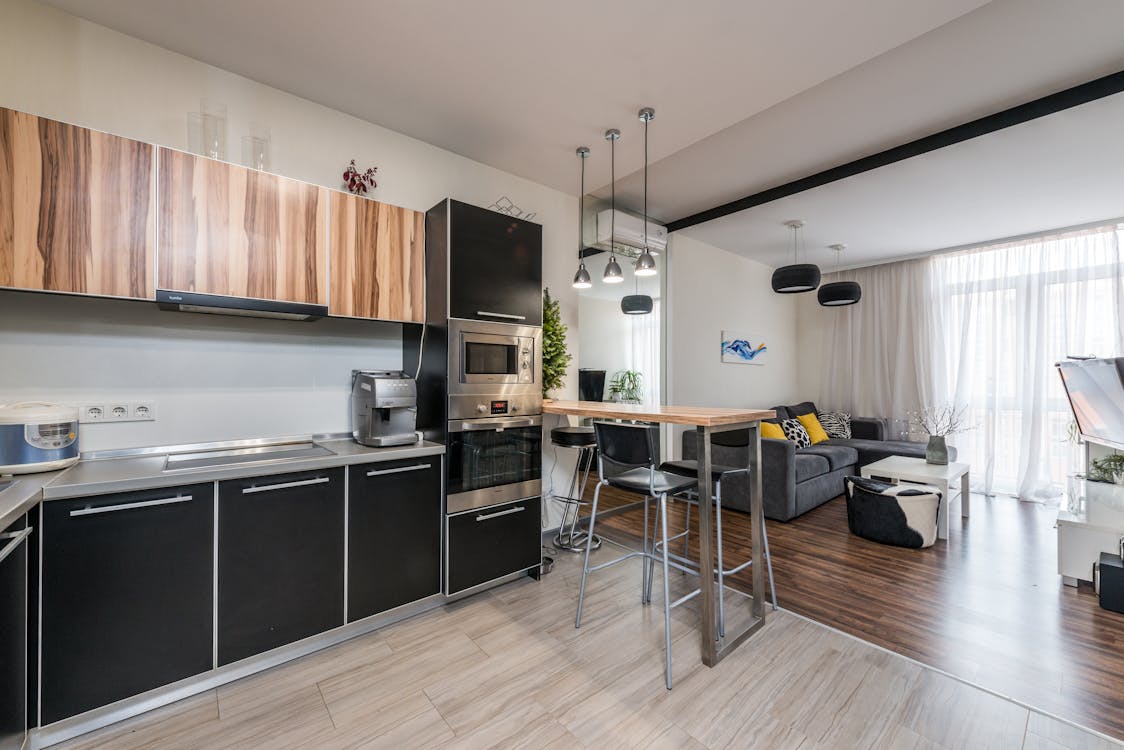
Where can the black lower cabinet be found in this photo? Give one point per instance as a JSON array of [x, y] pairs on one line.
[[489, 543], [394, 535], [13, 635], [281, 540], [127, 595]]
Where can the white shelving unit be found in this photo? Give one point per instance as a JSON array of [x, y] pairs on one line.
[[1084, 532]]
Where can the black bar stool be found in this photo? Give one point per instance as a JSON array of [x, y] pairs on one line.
[[631, 449], [690, 468], [582, 438]]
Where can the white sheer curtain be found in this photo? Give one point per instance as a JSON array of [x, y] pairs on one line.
[[982, 329], [645, 355], [1007, 313], [880, 351]]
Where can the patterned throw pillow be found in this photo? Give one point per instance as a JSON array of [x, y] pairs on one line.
[[795, 432], [837, 424]]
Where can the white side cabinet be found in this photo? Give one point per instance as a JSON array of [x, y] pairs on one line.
[[1083, 534]]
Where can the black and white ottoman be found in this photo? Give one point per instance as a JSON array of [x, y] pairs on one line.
[[904, 515]]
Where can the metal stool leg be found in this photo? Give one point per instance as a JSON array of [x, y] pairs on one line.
[[572, 536], [651, 561], [666, 592], [769, 563], [644, 569], [687, 533], [573, 539], [721, 564], [588, 546]]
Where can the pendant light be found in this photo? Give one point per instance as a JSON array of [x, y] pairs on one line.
[[839, 293], [799, 277], [613, 274], [646, 264], [642, 304], [582, 279]]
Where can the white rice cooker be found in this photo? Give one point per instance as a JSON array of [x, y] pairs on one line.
[[37, 436]]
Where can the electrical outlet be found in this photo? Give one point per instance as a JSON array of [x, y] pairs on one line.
[[144, 411], [118, 411], [92, 413]]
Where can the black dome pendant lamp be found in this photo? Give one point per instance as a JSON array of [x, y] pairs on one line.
[[839, 293], [642, 304], [799, 277]]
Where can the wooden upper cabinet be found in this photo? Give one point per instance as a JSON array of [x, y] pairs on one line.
[[378, 260], [76, 211], [237, 232]]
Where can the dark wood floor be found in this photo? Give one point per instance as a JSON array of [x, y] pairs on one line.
[[986, 606]]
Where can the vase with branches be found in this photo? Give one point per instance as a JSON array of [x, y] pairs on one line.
[[938, 422]]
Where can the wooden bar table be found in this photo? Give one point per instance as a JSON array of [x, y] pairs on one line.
[[706, 422]]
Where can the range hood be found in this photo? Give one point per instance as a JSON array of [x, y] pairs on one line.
[[218, 304]]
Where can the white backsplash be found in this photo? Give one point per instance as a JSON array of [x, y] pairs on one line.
[[211, 377]]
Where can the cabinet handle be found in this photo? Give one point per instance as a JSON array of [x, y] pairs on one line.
[[17, 538], [285, 485], [399, 470], [505, 316], [509, 511], [130, 506]]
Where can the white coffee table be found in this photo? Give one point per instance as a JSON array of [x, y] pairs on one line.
[[917, 471]]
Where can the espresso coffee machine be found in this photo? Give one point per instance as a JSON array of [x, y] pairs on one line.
[[384, 408]]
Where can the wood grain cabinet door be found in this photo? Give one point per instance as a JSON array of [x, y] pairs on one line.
[[237, 232], [378, 260], [76, 209]]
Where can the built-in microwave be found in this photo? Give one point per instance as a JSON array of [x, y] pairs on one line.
[[493, 353]]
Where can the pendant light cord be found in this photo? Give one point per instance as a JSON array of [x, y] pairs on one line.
[[613, 198], [581, 216], [646, 184]]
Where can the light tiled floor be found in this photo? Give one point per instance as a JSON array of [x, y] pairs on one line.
[[508, 669]]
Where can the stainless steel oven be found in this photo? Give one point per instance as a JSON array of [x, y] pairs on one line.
[[493, 460], [493, 354]]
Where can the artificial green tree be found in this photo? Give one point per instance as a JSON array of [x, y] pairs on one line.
[[555, 357]]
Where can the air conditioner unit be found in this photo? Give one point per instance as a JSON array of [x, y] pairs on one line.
[[630, 231]]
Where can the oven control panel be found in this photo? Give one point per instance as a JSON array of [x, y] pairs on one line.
[[475, 407]]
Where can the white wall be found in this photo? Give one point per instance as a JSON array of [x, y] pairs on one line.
[[813, 325], [211, 377], [605, 336], [710, 290], [219, 378]]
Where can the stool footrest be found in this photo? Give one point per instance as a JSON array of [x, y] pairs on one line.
[[622, 558]]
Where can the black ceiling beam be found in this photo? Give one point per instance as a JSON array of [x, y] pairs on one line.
[[1047, 105]]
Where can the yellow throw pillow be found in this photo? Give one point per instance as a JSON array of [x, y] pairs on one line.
[[816, 432], [770, 430]]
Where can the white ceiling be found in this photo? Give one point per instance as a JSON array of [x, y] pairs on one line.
[[519, 85], [1004, 54], [749, 95], [1062, 170]]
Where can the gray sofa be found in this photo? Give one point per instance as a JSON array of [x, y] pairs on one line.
[[796, 481]]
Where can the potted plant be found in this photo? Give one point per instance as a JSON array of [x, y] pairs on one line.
[[555, 357], [627, 386], [1107, 469], [938, 422]]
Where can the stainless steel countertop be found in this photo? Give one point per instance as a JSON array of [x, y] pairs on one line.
[[101, 476], [22, 495]]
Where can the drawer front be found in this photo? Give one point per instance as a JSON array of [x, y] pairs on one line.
[[127, 595], [280, 560], [489, 543], [394, 534]]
